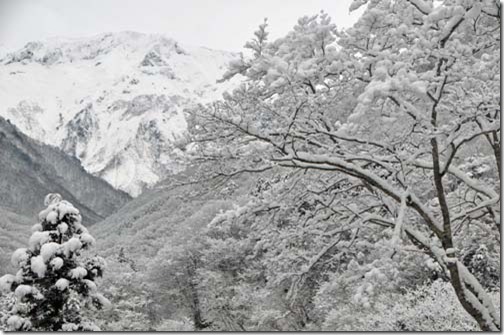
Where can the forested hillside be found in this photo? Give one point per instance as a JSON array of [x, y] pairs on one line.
[[29, 170], [14, 232]]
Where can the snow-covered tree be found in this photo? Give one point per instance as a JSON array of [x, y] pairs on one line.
[[403, 118], [130, 296], [53, 283]]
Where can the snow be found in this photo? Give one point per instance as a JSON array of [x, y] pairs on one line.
[[105, 73], [18, 323], [57, 263], [79, 228], [71, 245], [52, 217], [482, 301], [38, 266], [62, 284], [474, 12], [423, 6], [23, 290], [450, 260], [64, 207], [68, 327], [37, 239], [450, 251], [356, 4], [37, 295], [48, 250], [306, 159], [471, 182], [104, 302], [383, 85], [78, 273], [450, 25], [19, 256], [43, 214], [36, 227], [20, 275], [89, 326], [52, 199], [91, 285], [6, 282], [398, 228], [57, 209], [62, 228], [87, 239]]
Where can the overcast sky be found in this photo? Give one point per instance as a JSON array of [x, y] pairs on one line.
[[217, 24]]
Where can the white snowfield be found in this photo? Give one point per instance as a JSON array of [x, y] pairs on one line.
[[115, 101]]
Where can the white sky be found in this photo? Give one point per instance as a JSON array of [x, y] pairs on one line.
[[217, 24]]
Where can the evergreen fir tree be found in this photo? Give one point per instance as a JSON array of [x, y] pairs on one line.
[[53, 283]]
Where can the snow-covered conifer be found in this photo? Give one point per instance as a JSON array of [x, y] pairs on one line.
[[53, 283]]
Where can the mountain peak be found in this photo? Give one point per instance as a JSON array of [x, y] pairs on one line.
[[115, 100], [61, 50]]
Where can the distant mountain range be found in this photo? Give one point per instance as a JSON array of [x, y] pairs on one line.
[[114, 101]]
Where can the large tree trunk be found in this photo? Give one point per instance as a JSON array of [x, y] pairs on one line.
[[199, 322]]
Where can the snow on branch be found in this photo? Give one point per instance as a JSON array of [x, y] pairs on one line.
[[478, 297], [398, 227], [326, 162], [423, 6], [463, 177]]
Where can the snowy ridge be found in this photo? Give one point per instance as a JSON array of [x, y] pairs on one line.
[[114, 101]]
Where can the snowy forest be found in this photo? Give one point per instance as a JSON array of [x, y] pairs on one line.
[[348, 180]]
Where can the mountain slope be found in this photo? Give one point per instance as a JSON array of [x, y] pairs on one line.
[[29, 170], [173, 211], [14, 233], [115, 101]]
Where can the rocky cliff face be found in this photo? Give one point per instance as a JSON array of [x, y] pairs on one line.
[[29, 170], [114, 101]]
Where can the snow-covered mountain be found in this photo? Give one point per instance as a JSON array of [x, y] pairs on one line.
[[115, 101]]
